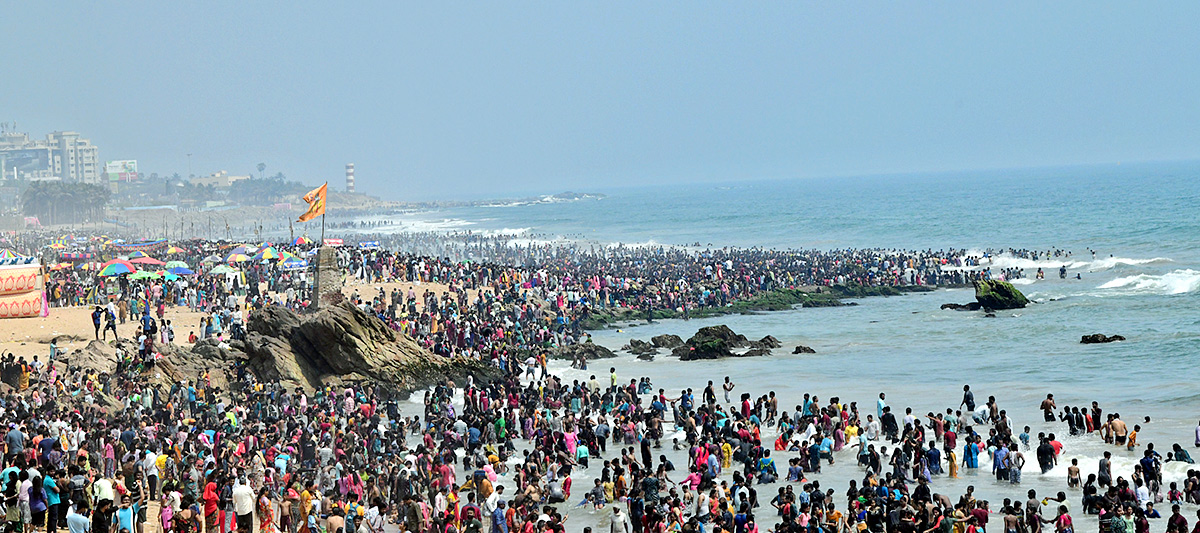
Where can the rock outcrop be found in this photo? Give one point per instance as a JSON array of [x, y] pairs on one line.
[[639, 347], [668, 341], [712, 342], [589, 350], [1099, 338], [973, 306], [992, 295], [342, 344], [998, 295], [803, 349]]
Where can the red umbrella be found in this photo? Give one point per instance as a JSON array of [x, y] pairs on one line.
[[147, 261]]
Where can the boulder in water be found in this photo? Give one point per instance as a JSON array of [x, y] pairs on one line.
[[973, 306], [711, 342], [639, 347], [667, 341], [803, 349], [1099, 338], [999, 295]]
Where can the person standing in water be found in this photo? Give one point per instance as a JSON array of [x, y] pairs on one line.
[[968, 398]]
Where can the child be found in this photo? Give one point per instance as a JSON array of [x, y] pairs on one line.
[[1025, 438], [1132, 441]]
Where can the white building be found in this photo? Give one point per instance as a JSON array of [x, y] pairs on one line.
[[64, 155]]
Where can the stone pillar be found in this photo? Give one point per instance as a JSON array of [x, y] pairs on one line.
[[327, 279]]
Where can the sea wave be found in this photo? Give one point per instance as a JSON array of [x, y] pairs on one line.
[[1174, 282], [1073, 263]]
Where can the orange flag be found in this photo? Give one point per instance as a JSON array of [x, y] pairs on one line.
[[316, 203]]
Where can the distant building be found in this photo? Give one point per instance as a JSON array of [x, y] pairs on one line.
[[63, 155], [350, 177], [219, 180]]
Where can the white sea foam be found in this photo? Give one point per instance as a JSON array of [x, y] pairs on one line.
[[1174, 282], [1073, 263]]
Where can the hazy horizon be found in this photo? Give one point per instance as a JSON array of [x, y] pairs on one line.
[[453, 101]]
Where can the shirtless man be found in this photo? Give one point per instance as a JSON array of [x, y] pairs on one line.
[[1119, 430], [1048, 408], [1073, 474]]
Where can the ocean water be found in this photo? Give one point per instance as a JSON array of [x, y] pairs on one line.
[[1143, 283]]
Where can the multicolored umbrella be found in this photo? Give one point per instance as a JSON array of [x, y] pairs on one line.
[[181, 271], [211, 259], [60, 266], [8, 254], [267, 253], [301, 240], [237, 258], [136, 255], [117, 267], [222, 269], [175, 250], [293, 264], [58, 246]]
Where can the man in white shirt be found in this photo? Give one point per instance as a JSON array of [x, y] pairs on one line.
[[243, 505]]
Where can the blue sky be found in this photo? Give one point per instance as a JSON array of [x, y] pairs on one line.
[[454, 99]]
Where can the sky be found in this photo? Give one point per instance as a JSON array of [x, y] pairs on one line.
[[497, 99]]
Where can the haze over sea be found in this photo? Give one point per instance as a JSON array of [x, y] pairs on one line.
[[1143, 282]]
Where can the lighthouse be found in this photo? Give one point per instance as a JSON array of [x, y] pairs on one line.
[[349, 177]]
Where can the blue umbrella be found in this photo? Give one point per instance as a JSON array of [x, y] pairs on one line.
[[181, 271]]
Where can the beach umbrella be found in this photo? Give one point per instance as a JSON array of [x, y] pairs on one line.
[[293, 264], [142, 274], [60, 266], [237, 258], [180, 271], [146, 260], [301, 240], [170, 277], [267, 253], [116, 267], [8, 254], [211, 259], [173, 264], [138, 254], [58, 246], [175, 250], [222, 269]]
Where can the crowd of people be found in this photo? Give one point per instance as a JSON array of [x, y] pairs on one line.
[[100, 451]]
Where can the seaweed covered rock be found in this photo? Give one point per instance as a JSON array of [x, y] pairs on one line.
[[711, 342], [1099, 338], [998, 295]]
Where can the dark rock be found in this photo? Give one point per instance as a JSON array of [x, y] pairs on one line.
[[755, 352], [1099, 338], [589, 350], [803, 349], [999, 295], [769, 342], [638, 347], [668, 341], [973, 306], [989, 315], [645, 357], [711, 342]]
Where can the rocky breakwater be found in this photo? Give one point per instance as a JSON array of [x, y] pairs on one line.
[[342, 344], [716, 342], [992, 295]]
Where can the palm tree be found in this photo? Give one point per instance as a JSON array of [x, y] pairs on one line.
[[261, 167]]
